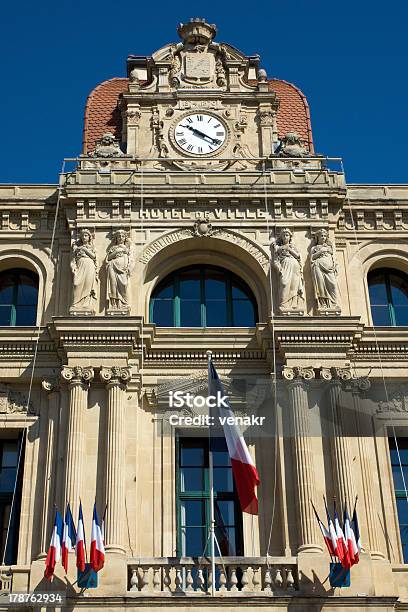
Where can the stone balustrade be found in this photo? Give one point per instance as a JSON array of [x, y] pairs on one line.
[[6, 579], [235, 576]]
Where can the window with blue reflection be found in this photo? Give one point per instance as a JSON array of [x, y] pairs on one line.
[[9, 511], [399, 464], [203, 296], [18, 298], [193, 499], [388, 291]]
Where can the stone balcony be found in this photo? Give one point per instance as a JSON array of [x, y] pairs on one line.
[[235, 576]]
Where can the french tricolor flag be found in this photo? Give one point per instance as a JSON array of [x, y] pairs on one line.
[[80, 542], [97, 557], [68, 538], [243, 468], [342, 549], [350, 539], [54, 551]]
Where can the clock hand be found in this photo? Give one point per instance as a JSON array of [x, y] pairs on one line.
[[201, 134]]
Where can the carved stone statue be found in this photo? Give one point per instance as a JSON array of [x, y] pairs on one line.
[[324, 273], [286, 260], [119, 264], [291, 146], [85, 273], [107, 146]]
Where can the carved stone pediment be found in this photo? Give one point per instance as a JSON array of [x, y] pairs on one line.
[[12, 401]]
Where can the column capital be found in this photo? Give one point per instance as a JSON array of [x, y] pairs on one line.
[[115, 375], [78, 375], [297, 373], [336, 374]]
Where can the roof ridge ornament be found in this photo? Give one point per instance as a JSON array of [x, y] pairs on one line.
[[197, 32]]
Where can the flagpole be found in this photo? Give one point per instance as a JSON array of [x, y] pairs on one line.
[[210, 468]]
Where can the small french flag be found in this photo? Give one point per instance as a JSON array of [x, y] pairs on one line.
[[68, 538], [97, 556], [54, 551], [80, 542]]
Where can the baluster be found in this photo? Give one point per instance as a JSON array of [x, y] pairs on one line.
[[178, 580], [134, 581], [200, 580], [210, 579], [233, 581], [256, 579], [145, 578], [278, 578], [189, 580], [245, 579], [268, 581], [156, 579], [222, 580], [167, 579], [290, 581]]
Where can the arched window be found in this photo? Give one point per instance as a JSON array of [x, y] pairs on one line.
[[18, 297], [388, 297], [203, 296]]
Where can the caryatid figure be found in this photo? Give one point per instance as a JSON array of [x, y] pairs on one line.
[[119, 264], [287, 261], [324, 272], [85, 274]]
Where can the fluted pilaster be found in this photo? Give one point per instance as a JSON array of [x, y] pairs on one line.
[[52, 388], [78, 379], [305, 488], [366, 451], [116, 380], [340, 446]]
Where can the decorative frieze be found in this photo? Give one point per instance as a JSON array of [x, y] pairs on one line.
[[12, 402]]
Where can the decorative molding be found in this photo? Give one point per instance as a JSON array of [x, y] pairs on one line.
[[115, 375], [78, 375], [297, 373], [12, 401], [335, 373], [231, 236]]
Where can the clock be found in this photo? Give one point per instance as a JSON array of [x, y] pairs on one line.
[[200, 133]]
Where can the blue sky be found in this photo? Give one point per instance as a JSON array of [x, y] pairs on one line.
[[349, 58]]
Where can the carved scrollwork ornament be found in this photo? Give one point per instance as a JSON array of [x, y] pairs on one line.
[[297, 372], [266, 118], [50, 385], [335, 373], [361, 384], [115, 375], [78, 374], [133, 117]]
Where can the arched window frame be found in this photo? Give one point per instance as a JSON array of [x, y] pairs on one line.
[[387, 273], [13, 304], [231, 279]]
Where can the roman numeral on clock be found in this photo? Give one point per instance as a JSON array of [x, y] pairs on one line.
[[182, 141], [190, 147], [189, 119], [199, 117]]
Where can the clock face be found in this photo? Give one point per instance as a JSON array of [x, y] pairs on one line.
[[200, 134]]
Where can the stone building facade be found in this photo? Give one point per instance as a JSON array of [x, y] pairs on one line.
[[200, 169]]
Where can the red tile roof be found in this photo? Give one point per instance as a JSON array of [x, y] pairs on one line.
[[102, 113]]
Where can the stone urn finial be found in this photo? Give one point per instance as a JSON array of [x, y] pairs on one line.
[[197, 31]]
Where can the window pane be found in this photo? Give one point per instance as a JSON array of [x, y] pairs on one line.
[[224, 513], [226, 541], [381, 315], [165, 291], [223, 479], [10, 454], [26, 315], [190, 313], [192, 479], [5, 315], [193, 541], [216, 313], [190, 285], [221, 457], [6, 290], [27, 291], [399, 291], [377, 291], [215, 286], [401, 315], [162, 313], [398, 480], [243, 313], [192, 455], [239, 293], [192, 513]]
